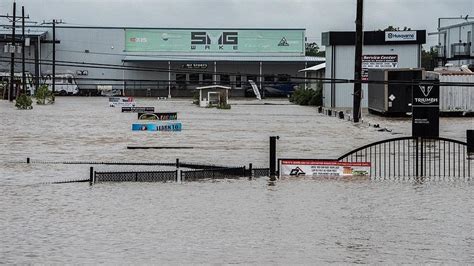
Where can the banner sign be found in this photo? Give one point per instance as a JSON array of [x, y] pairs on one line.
[[121, 101], [377, 61], [157, 127], [137, 109], [250, 41], [157, 116], [323, 168], [396, 36], [425, 114]]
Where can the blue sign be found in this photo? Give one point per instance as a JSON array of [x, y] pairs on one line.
[[157, 127]]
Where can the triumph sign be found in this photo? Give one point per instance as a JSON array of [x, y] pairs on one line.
[[425, 114]]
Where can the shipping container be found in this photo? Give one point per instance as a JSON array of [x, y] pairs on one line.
[[455, 99], [392, 99]]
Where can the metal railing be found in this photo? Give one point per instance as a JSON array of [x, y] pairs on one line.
[[414, 157]]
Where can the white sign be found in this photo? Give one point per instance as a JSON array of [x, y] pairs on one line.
[[323, 168], [377, 61], [396, 36]]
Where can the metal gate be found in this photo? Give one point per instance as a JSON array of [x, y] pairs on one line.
[[414, 157]]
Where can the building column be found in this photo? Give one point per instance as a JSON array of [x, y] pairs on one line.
[[169, 79], [260, 78], [305, 76], [214, 77]]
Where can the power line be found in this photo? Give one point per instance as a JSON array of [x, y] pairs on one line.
[[293, 78]]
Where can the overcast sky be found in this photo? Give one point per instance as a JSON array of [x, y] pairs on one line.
[[315, 15]]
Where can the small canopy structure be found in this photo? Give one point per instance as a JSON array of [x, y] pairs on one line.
[[314, 68], [213, 95]]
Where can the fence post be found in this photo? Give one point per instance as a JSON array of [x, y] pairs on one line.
[[91, 176], [250, 170], [28, 160], [273, 140], [470, 141], [178, 172], [421, 158], [416, 157]]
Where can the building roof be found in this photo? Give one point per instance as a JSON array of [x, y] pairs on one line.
[[221, 58], [213, 86], [314, 68], [4, 32]]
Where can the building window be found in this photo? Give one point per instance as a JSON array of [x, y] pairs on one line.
[[269, 79], [238, 81], [181, 79], [283, 78], [207, 78], [225, 80], [194, 79]]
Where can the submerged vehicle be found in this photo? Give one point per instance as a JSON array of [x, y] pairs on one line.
[[65, 83]]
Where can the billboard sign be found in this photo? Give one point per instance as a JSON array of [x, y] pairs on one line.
[[215, 40], [397, 36], [377, 61], [323, 168]]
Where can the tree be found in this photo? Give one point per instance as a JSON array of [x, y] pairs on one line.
[[311, 49], [392, 28], [428, 59], [44, 95]]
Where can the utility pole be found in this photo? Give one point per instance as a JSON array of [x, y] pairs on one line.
[[23, 77], [54, 57], [12, 63], [359, 36]]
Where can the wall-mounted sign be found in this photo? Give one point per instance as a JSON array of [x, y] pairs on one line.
[[289, 41], [397, 36], [157, 116], [377, 61], [194, 66], [425, 114], [137, 109], [323, 168], [157, 127]]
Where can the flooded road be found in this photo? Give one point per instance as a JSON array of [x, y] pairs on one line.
[[301, 220]]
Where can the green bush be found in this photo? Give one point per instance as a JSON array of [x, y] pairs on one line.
[[24, 102], [44, 95], [307, 97]]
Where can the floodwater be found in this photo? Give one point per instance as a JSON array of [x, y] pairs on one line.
[[289, 221]]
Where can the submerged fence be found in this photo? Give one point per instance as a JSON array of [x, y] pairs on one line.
[[414, 157], [209, 172]]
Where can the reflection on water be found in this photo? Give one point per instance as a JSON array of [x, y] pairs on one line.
[[288, 221]]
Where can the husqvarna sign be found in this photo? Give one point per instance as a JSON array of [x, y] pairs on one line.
[[397, 36]]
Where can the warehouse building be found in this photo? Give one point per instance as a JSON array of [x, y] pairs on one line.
[[170, 61], [382, 49]]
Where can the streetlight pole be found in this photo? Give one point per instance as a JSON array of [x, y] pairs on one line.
[[358, 62]]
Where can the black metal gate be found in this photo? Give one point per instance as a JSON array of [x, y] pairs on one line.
[[414, 157]]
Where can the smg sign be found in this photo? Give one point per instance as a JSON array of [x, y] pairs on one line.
[[227, 40]]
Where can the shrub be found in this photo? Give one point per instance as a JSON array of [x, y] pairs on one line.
[[307, 97], [44, 95], [24, 102]]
